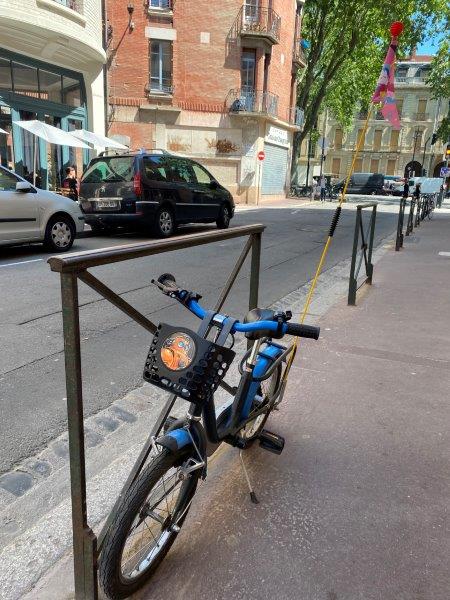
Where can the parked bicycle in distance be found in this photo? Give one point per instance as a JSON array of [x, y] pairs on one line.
[[191, 366], [428, 205]]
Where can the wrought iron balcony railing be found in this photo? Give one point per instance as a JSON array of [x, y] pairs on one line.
[[252, 101], [256, 21], [296, 116], [421, 116], [298, 56]]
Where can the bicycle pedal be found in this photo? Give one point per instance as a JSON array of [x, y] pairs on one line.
[[271, 441]]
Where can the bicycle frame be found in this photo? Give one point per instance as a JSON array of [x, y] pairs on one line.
[[257, 365]]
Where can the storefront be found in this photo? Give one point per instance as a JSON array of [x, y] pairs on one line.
[[31, 89]]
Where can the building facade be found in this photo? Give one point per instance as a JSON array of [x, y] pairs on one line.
[[385, 150], [51, 69], [212, 81]]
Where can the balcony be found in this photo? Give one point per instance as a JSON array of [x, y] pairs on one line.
[[421, 116], [257, 24], [252, 102], [410, 80], [298, 57], [296, 116], [160, 8]]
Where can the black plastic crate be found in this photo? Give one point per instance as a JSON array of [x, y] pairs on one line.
[[182, 362]]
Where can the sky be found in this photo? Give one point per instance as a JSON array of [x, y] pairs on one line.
[[430, 45]]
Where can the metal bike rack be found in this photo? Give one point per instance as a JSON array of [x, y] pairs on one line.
[[410, 223], [86, 546], [365, 249], [401, 217]]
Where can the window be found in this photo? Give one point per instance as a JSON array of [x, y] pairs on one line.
[[71, 92], [377, 139], [248, 69], [50, 85], [161, 4], [374, 165], [25, 79], [181, 170], [5, 74], [421, 110], [114, 168], [161, 66], [358, 138], [7, 181], [203, 177], [358, 165], [155, 168], [336, 168], [338, 139], [391, 166], [394, 139], [251, 10], [400, 106]]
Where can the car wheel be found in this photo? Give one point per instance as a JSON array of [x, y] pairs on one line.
[[59, 234], [223, 220], [164, 224]]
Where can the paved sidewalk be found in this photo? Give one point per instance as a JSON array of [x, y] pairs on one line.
[[356, 507]]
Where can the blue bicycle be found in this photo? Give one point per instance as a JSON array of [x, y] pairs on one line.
[[191, 366]]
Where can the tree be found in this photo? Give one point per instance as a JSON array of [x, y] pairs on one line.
[[439, 82], [348, 40]]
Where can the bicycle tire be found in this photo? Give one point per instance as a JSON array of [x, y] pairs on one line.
[[114, 583], [267, 388]]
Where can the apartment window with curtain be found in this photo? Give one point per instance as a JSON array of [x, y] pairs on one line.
[[358, 165], [394, 139], [374, 165], [358, 137], [161, 66], [336, 168], [377, 139], [421, 110]]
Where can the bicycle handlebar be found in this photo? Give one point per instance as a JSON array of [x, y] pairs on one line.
[[169, 286]]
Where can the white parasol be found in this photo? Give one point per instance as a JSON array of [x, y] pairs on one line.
[[97, 140]]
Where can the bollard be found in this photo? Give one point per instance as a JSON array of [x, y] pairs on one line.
[[366, 250], [401, 214]]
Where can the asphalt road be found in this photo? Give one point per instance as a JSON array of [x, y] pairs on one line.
[[32, 386]]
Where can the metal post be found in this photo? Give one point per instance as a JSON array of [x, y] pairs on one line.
[[372, 234], [84, 540], [254, 274], [401, 212], [410, 224], [352, 283]]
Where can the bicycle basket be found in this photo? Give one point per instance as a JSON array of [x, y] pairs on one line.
[[182, 362]]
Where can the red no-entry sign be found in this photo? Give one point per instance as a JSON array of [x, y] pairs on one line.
[[261, 155]]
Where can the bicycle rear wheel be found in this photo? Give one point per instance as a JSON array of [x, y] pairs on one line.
[[146, 524]]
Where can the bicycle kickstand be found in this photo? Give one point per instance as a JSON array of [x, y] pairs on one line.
[[253, 497]]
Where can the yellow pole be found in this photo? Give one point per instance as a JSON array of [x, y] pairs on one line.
[[323, 256]]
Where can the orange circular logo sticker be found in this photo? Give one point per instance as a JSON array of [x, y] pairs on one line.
[[178, 351]]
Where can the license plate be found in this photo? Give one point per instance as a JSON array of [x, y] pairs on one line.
[[107, 203]]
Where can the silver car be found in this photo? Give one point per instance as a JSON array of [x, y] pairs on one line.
[[28, 214]]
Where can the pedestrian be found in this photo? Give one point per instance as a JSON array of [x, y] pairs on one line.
[[70, 183], [323, 188]]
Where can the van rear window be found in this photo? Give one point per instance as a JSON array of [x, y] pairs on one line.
[[110, 168]]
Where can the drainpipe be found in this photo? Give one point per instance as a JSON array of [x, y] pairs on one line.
[[105, 66]]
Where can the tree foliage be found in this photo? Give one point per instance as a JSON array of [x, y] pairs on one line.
[[348, 40], [439, 82]]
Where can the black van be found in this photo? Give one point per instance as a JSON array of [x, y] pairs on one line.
[[363, 183], [154, 191]]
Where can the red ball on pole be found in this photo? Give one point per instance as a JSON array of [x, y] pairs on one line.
[[396, 28]]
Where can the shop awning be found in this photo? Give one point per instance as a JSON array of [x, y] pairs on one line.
[[51, 134], [97, 140]]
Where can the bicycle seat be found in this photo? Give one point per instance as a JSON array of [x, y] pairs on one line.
[[259, 314]]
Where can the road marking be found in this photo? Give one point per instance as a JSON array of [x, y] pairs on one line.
[[21, 262], [444, 253]]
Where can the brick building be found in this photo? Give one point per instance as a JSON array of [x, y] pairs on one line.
[[215, 81]]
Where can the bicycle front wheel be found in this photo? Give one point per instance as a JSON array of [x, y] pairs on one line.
[[146, 525]]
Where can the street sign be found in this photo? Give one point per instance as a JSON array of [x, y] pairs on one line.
[[445, 171], [261, 155]]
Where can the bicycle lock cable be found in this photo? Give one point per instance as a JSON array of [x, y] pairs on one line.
[[332, 229]]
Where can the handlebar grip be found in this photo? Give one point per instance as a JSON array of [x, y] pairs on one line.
[[305, 331], [168, 280]]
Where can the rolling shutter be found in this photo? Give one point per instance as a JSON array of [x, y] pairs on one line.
[[274, 169]]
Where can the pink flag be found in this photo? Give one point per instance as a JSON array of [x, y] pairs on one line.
[[385, 90]]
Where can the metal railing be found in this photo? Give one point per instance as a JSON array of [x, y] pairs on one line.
[[252, 101], [401, 216], [296, 116], [74, 267], [298, 56], [364, 249], [256, 21], [421, 116]]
